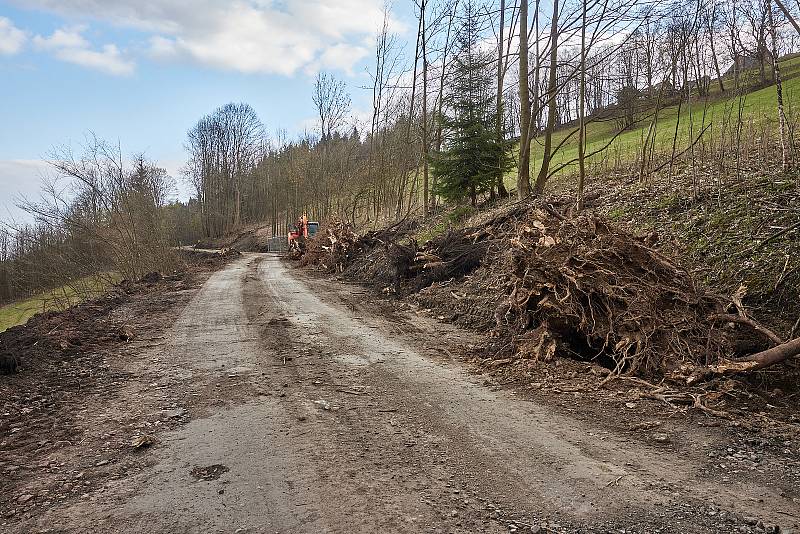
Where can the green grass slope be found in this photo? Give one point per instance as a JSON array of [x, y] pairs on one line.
[[718, 112], [19, 312]]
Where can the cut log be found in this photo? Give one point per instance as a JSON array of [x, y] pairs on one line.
[[774, 355], [754, 362], [423, 257]]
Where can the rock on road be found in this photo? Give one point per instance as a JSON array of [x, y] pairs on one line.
[[347, 420]]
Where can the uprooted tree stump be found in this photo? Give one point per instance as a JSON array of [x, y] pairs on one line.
[[450, 255], [582, 286]]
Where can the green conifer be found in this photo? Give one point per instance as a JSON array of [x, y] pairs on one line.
[[467, 165]]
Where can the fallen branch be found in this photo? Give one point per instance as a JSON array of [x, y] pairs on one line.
[[729, 318], [794, 328], [351, 391], [698, 404], [770, 239]]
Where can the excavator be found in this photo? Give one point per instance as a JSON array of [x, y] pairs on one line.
[[300, 231]]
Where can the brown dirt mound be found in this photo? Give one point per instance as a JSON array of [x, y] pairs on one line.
[[64, 335], [248, 239]]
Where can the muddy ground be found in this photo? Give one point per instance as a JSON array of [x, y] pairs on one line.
[[274, 400]]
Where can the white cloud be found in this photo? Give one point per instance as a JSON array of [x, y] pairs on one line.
[[108, 59], [342, 56], [68, 44], [264, 36], [12, 39], [63, 38]]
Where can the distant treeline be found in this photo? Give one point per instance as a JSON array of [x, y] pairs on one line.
[[489, 91]]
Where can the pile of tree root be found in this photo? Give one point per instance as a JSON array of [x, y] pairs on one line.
[[366, 258], [450, 255], [332, 249], [578, 285], [568, 285], [581, 286]]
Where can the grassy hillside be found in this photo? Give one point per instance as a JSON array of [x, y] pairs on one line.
[[58, 299], [719, 111]]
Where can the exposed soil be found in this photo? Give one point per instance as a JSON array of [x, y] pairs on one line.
[[247, 239], [274, 400], [52, 448]]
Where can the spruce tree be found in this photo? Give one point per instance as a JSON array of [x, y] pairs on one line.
[[467, 165]]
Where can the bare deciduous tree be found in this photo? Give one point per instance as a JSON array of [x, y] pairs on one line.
[[223, 148]]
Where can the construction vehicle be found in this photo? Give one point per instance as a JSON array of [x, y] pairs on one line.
[[300, 231]]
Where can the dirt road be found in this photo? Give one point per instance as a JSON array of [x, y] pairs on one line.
[[308, 408]]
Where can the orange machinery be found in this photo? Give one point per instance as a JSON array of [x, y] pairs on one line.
[[301, 231]]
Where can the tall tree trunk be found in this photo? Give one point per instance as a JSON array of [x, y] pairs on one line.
[[425, 136], [785, 148], [237, 218], [582, 114], [788, 15], [414, 81], [536, 84], [501, 187], [552, 93], [439, 125], [711, 28], [523, 173]]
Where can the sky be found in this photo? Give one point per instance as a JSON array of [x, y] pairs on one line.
[[142, 72]]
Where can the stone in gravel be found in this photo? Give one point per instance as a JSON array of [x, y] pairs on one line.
[[22, 499], [142, 441], [536, 529], [660, 437]]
